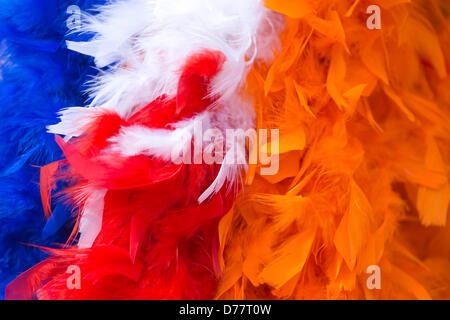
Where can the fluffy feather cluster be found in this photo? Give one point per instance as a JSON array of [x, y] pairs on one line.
[[38, 76], [363, 180], [364, 156], [166, 65]]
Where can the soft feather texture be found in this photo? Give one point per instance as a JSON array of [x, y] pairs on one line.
[[147, 50], [364, 135], [145, 58], [169, 235], [364, 118], [38, 76], [166, 65]]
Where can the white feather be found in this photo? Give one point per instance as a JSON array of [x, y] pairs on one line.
[[161, 143], [142, 45], [73, 121], [91, 218], [229, 171], [149, 40]]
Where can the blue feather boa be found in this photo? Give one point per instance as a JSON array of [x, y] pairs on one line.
[[38, 77]]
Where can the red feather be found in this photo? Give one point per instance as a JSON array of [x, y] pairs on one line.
[[156, 241]]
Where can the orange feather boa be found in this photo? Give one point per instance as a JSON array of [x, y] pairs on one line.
[[364, 119]]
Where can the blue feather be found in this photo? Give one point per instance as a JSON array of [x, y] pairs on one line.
[[57, 220], [38, 77]]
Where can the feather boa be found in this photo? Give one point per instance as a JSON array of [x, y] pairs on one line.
[[368, 181], [38, 76], [166, 65], [364, 120]]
